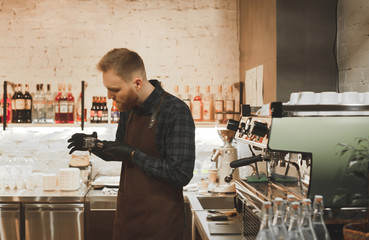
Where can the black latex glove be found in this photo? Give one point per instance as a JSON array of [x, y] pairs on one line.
[[119, 151], [76, 141]]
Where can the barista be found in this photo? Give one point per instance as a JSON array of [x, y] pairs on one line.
[[155, 140]]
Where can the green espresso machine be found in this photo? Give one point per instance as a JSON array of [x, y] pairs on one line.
[[304, 155]]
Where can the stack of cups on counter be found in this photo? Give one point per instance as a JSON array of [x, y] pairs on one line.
[[329, 98]]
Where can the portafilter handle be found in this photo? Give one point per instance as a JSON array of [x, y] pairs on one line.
[[246, 161]]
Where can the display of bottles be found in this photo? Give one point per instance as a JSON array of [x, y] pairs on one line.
[[197, 105], [115, 114], [278, 226], [63, 106], [208, 113], [219, 104], [99, 110], [28, 105], [306, 224], [294, 229], [70, 104], [265, 232], [57, 104], [79, 109], [229, 103], [319, 226], [187, 98], [49, 107]]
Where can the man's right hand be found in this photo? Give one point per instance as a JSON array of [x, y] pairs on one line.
[[76, 141]]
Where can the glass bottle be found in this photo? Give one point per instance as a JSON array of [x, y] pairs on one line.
[[63, 106], [265, 231], [319, 226], [229, 103], [79, 109], [290, 198], [70, 104], [115, 114], [306, 224], [176, 92], [208, 106], [93, 112], [197, 105], [42, 105], [104, 110], [36, 106], [57, 104], [99, 110], [294, 229], [1, 113], [20, 105], [28, 105], [187, 98], [278, 226], [219, 104], [49, 105], [14, 107]]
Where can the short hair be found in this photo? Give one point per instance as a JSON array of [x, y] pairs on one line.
[[123, 62]]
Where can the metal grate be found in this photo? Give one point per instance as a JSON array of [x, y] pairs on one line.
[[250, 222]]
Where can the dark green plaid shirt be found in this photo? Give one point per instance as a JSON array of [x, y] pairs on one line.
[[175, 138]]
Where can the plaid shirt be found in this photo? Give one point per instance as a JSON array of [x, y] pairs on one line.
[[175, 139]]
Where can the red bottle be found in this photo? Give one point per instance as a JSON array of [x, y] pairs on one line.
[[63, 106], [70, 104], [57, 105]]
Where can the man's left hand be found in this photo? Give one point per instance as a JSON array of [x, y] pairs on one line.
[[118, 150]]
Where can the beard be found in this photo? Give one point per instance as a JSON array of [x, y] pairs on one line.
[[129, 102]]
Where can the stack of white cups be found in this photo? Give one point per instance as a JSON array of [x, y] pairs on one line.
[[329, 98]]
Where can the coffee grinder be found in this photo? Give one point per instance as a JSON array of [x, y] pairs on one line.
[[223, 156]]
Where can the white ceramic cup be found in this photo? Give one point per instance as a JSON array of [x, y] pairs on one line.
[[294, 98], [49, 182], [308, 98], [329, 98], [366, 98], [350, 98]]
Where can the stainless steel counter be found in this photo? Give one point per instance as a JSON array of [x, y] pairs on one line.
[[38, 195]]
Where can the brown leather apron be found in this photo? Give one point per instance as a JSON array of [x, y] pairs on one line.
[[147, 208]]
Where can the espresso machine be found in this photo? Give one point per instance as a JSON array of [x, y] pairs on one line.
[[300, 154], [223, 157]]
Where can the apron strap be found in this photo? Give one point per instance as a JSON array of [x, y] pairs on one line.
[[157, 108]]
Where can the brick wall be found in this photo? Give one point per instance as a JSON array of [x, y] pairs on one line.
[[353, 45], [192, 42]]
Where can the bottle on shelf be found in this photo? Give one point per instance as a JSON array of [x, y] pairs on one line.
[[14, 108], [265, 231], [208, 113], [176, 92], [28, 105], [306, 224], [1, 108], [294, 229], [115, 114], [230, 103], [93, 111], [63, 103], [187, 98], [8, 108], [278, 226], [197, 105], [70, 104], [219, 104], [99, 110], [319, 226], [36, 105], [57, 104], [42, 105], [20, 104], [49, 105], [105, 110], [79, 109]]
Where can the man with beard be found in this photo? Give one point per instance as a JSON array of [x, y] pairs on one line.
[[155, 141]]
